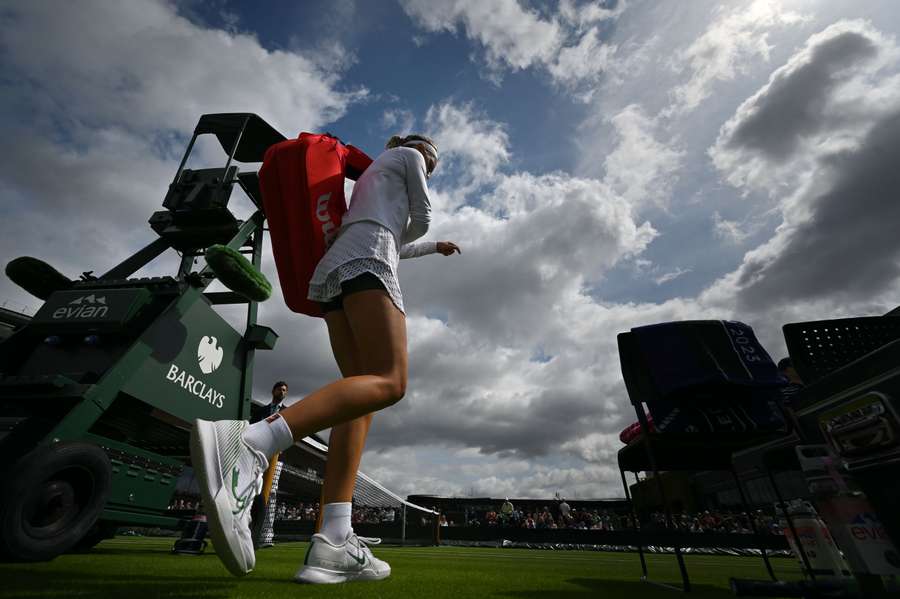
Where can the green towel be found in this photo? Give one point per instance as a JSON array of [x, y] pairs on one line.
[[36, 276], [237, 273]]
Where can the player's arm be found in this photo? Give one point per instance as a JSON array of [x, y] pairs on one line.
[[415, 250], [419, 202]]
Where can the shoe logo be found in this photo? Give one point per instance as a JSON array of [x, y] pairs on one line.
[[241, 501], [209, 354], [361, 561]]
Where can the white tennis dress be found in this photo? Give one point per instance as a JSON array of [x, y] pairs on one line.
[[389, 208]]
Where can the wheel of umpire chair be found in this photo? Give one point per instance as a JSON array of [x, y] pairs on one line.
[[55, 495]]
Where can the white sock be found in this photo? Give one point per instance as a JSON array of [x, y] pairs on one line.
[[336, 522], [269, 437]]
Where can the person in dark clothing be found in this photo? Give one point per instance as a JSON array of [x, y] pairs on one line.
[[279, 392], [265, 532], [787, 370], [790, 393]]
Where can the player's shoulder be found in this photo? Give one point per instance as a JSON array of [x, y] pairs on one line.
[[409, 154], [398, 157]]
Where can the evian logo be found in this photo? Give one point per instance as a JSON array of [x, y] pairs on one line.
[[86, 306], [209, 354], [325, 218], [88, 299]]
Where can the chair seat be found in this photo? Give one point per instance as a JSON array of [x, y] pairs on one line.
[[687, 452]]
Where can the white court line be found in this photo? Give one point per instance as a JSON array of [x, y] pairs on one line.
[[449, 551], [563, 554], [601, 557]]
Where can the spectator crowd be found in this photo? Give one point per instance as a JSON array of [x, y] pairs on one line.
[[361, 514], [719, 521], [302, 511], [184, 503], [511, 517], [561, 516], [297, 511], [567, 517]]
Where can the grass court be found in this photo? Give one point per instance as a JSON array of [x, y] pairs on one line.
[[144, 568]]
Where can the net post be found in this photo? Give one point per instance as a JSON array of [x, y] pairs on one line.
[[403, 526], [437, 529]]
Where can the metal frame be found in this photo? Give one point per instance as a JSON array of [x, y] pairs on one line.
[[648, 439], [95, 399], [670, 523]]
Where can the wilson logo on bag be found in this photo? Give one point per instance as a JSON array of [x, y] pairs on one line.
[[328, 228], [302, 185]]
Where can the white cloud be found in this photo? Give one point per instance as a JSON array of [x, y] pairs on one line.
[[817, 141], [472, 148], [819, 102], [671, 275], [595, 447], [646, 269], [728, 230], [735, 40], [102, 99], [588, 13], [488, 476], [516, 38], [124, 65], [640, 168], [642, 265], [668, 60], [582, 62], [400, 121]]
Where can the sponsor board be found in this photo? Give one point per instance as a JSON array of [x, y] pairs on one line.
[[209, 358], [861, 534]]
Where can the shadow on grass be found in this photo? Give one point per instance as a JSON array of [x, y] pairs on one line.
[[619, 589], [22, 582], [124, 550]]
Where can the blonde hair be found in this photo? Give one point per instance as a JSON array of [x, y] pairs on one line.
[[397, 141]]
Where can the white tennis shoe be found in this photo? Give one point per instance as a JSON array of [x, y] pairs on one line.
[[230, 475], [328, 563]]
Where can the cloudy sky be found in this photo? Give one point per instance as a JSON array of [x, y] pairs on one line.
[[604, 165]]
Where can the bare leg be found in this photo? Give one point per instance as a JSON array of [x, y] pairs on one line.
[[345, 449], [378, 331], [348, 439]]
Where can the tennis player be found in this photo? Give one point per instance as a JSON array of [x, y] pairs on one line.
[[356, 284]]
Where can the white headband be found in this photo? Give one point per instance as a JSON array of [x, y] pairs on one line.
[[429, 147]]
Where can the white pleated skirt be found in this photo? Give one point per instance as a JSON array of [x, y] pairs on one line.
[[362, 247]]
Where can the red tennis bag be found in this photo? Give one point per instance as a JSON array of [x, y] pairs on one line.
[[302, 185]]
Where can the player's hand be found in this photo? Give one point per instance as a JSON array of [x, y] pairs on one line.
[[447, 247]]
